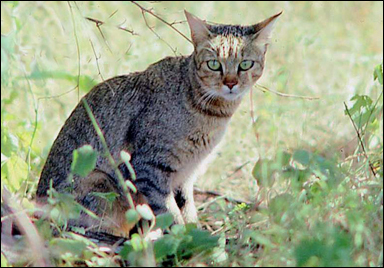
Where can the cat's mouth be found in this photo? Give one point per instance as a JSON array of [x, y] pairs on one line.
[[230, 94]]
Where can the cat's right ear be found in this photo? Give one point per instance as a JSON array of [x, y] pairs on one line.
[[199, 29]]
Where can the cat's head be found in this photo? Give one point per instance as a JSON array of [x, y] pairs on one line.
[[229, 58]]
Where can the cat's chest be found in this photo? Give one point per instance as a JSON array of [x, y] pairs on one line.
[[203, 139], [195, 146]]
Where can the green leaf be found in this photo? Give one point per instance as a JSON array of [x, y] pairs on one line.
[[9, 142], [126, 250], [131, 186], [4, 262], [201, 241], [262, 172], [361, 105], [110, 196], [84, 160], [302, 157], [280, 205], [165, 246], [163, 221], [137, 242], [378, 73], [14, 171], [126, 157], [145, 211], [132, 216], [307, 249], [178, 229], [79, 230], [62, 246], [4, 159], [283, 158], [85, 82]]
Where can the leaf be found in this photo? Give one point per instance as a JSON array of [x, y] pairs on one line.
[[110, 197], [14, 171], [9, 142], [165, 246], [4, 159], [4, 262], [378, 73], [302, 157], [361, 105], [145, 211], [79, 230], [178, 229], [332, 248], [84, 160], [126, 250], [126, 157], [261, 239], [200, 241], [131, 186], [280, 205], [308, 249], [262, 172], [163, 221], [132, 216], [62, 246], [283, 158], [85, 81], [137, 242]]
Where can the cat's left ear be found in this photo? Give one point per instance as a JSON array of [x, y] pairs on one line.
[[264, 29]]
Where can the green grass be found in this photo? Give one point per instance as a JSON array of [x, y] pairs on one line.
[[51, 56]]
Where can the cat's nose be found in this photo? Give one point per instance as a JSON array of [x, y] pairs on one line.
[[230, 84]]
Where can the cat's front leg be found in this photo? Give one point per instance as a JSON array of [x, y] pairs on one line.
[[154, 184], [186, 203]]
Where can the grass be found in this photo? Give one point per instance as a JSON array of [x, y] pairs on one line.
[[51, 56]]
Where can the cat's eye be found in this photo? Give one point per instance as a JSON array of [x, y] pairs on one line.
[[214, 65], [246, 65]]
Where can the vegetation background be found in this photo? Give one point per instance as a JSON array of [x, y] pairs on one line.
[[311, 198]]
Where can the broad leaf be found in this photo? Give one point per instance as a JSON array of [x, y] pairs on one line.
[[84, 160]]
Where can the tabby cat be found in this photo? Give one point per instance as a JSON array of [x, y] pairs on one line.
[[168, 117]]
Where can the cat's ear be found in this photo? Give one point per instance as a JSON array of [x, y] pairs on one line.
[[199, 29], [264, 29]]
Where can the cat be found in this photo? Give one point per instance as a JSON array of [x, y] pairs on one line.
[[168, 117]]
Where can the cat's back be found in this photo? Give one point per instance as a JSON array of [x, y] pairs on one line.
[[115, 103]]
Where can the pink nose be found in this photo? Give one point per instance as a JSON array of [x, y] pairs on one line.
[[231, 84]]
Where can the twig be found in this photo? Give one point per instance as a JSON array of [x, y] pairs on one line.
[[265, 89], [360, 140], [143, 9], [252, 109], [371, 112], [238, 168], [97, 60], [214, 193], [98, 68], [99, 23], [57, 96], [108, 153], [158, 36], [78, 51], [26, 226]]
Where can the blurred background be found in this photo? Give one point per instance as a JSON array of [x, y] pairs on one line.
[[319, 49]]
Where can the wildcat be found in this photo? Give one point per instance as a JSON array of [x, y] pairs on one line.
[[168, 117]]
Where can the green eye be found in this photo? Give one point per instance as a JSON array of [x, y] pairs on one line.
[[246, 65], [214, 65]]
